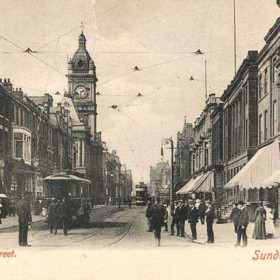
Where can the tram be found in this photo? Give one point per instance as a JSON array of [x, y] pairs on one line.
[[77, 192], [141, 191]]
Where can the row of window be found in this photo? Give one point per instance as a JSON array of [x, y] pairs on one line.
[[264, 124]]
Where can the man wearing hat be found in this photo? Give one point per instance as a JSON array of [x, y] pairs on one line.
[[24, 219], [193, 218], [242, 223], [210, 216]]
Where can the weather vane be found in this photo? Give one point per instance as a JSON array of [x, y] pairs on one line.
[[82, 26]]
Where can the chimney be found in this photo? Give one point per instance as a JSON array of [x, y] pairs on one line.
[[7, 85]]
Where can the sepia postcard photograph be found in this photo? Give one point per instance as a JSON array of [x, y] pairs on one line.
[[140, 139]]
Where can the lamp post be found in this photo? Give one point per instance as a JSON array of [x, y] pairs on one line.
[[165, 141]]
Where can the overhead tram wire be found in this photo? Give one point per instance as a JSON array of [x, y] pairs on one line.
[[29, 53], [143, 68], [129, 144], [78, 27]]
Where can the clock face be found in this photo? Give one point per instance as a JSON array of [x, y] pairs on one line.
[[81, 92]]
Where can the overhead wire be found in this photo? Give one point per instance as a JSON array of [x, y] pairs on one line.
[[129, 144]]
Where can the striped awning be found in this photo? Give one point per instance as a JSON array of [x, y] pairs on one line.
[[263, 169], [206, 183], [189, 185]]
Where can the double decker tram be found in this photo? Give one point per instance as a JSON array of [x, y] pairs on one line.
[[141, 191], [75, 190]]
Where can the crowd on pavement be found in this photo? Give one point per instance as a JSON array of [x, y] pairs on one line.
[[193, 211]]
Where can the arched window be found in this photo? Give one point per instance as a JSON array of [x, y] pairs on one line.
[[80, 63]]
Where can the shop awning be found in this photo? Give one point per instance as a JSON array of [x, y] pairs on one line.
[[205, 184], [65, 178], [262, 171], [189, 185]]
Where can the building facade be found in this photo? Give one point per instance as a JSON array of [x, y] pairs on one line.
[[183, 156]]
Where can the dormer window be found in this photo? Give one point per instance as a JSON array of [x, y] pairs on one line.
[[80, 63]]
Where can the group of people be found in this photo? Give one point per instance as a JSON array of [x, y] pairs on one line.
[[264, 222], [58, 212], [263, 219], [190, 210]]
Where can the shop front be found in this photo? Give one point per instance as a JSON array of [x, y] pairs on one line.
[[258, 181]]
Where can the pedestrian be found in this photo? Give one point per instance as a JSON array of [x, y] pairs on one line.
[[63, 212], [165, 218], [259, 219], [270, 228], [149, 216], [193, 219], [182, 216], [24, 219], [158, 213], [129, 203], [234, 216], [201, 210], [0, 211], [242, 223], [175, 221], [210, 216], [53, 216], [119, 203]]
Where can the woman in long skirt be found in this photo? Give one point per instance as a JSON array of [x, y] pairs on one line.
[[260, 217], [157, 214]]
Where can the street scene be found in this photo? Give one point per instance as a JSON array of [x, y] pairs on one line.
[[140, 139]]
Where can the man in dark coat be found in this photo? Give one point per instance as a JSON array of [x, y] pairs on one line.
[[201, 210], [53, 216], [64, 215], [175, 221], [24, 220], [157, 212], [193, 219], [149, 216], [234, 216], [210, 216], [242, 223], [182, 217]]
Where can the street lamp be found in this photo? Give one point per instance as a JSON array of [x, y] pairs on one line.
[[164, 142]]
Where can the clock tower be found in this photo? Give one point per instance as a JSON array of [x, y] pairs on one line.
[[82, 85]]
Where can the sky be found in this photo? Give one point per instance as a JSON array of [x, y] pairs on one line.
[[159, 36]]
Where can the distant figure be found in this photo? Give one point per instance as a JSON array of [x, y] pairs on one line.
[[1, 206], [165, 218], [193, 219], [175, 221], [234, 216], [53, 216], [149, 216], [63, 212], [182, 216], [201, 210], [24, 220], [242, 223], [129, 203], [119, 203], [259, 219], [270, 228], [158, 213], [210, 216]]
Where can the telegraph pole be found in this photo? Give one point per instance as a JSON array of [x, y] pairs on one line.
[[234, 34], [206, 81]]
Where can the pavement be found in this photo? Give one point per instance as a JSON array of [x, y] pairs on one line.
[[118, 246]]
